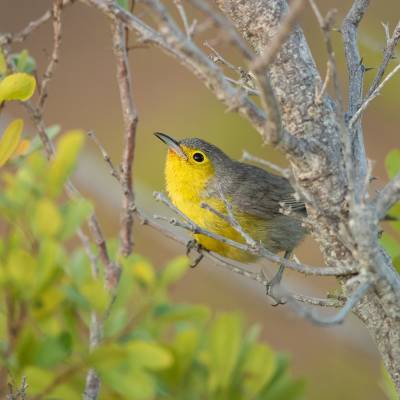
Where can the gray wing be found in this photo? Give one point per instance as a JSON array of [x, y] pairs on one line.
[[256, 191]]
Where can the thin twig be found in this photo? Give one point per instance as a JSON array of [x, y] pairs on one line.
[[231, 220], [218, 58], [32, 26], [225, 26], [320, 93], [391, 44], [372, 96], [189, 28], [246, 156], [249, 90], [314, 301], [130, 117], [57, 29], [114, 172], [339, 317]]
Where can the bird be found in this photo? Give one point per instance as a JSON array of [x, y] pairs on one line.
[[263, 204]]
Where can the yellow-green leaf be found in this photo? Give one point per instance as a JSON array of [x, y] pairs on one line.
[[64, 161], [225, 341], [18, 86], [96, 294], [10, 140], [149, 355], [143, 272], [3, 63], [258, 368], [392, 162], [175, 270], [47, 219]]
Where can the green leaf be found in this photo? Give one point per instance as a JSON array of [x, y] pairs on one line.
[[38, 378], [47, 219], [284, 389], [388, 385], [115, 354], [132, 384], [391, 245], [74, 214], [395, 210], [64, 161], [174, 270], [18, 86], [392, 163], [149, 355], [52, 351], [185, 345], [21, 267], [181, 312], [224, 347], [24, 62], [123, 4], [10, 140]]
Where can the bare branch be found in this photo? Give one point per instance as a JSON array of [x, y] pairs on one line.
[[114, 172], [32, 26], [314, 301], [339, 317], [56, 14], [226, 26], [217, 58], [189, 28], [246, 156], [372, 96], [321, 92], [391, 44], [130, 117]]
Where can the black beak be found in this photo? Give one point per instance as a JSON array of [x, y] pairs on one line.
[[172, 143]]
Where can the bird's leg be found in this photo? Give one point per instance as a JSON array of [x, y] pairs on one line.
[[275, 282], [193, 244]]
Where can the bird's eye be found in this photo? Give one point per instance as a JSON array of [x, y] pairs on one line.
[[198, 157]]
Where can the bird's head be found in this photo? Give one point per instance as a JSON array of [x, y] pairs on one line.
[[191, 163]]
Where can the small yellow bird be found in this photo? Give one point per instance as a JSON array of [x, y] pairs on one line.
[[198, 172]]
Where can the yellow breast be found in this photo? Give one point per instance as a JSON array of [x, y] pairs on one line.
[[186, 189]]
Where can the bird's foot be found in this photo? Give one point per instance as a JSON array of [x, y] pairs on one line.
[[272, 291], [193, 244]]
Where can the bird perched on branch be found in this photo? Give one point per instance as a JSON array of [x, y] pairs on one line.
[[264, 205]]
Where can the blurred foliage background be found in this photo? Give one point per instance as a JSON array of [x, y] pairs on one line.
[[339, 362]]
